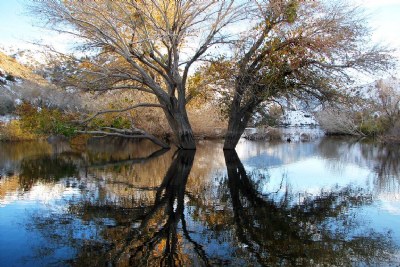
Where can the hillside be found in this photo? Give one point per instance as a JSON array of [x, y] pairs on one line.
[[10, 66], [371, 91], [18, 83]]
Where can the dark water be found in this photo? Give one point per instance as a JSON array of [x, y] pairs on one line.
[[331, 202]]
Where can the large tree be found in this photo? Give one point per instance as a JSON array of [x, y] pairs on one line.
[[299, 48], [144, 45]]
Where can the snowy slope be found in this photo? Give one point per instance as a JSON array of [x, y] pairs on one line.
[[369, 91], [298, 118], [27, 57]]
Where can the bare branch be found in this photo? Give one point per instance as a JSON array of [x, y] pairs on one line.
[[127, 133], [121, 110]]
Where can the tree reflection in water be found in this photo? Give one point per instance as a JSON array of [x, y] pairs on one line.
[[150, 236], [277, 232], [46, 168], [249, 226], [265, 230], [383, 159]]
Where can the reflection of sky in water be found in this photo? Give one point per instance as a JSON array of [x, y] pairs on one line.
[[305, 169], [311, 175], [307, 173], [17, 212]]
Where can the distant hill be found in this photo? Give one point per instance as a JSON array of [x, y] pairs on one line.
[[11, 67], [370, 91], [19, 83]]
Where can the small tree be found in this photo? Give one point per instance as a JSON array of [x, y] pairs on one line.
[[298, 48], [388, 101], [146, 46]]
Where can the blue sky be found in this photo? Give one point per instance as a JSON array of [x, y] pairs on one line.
[[16, 24], [18, 27]]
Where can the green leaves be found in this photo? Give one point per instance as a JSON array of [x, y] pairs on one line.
[[291, 11], [46, 121]]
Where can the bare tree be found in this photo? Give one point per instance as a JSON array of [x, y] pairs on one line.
[[297, 48], [339, 120], [388, 101], [146, 46]]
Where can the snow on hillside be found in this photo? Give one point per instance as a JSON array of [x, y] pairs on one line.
[[369, 91], [3, 79], [15, 71], [29, 57], [298, 118], [296, 114]]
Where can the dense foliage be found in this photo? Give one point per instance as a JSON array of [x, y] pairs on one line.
[[45, 121]]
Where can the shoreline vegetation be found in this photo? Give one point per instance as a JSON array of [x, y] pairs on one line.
[[14, 130], [29, 122]]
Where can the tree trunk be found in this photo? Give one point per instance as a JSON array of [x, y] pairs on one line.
[[180, 125], [238, 119], [236, 127]]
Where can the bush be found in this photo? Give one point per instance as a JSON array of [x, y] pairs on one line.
[[14, 132], [110, 120], [372, 126], [6, 105], [338, 121], [46, 121], [393, 135], [10, 78]]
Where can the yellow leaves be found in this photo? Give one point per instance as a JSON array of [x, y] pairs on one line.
[[86, 65], [201, 85], [14, 131]]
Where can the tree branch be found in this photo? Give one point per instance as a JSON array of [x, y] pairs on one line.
[[122, 110], [126, 133]]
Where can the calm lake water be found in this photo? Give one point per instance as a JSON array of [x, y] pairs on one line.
[[328, 202]]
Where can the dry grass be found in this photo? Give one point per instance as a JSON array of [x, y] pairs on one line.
[[205, 118], [207, 123], [11, 66], [13, 132]]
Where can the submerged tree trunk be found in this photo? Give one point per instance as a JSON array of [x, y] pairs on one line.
[[180, 125], [238, 119], [236, 127]]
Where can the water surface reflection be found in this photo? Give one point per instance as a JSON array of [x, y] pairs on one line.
[[118, 202]]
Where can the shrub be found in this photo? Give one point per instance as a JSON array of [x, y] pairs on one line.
[[14, 132], [338, 121], [6, 105], [46, 121], [10, 78], [392, 135], [372, 126], [110, 120], [274, 134]]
